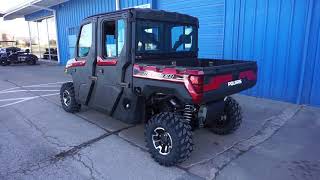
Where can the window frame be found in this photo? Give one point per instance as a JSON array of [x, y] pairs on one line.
[[78, 40], [103, 39]]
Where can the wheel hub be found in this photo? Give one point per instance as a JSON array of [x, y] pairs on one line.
[[66, 98], [223, 121], [223, 118], [162, 141]]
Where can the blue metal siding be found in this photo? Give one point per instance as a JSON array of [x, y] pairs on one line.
[[273, 33], [211, 17], [311, 81], [132, 3]]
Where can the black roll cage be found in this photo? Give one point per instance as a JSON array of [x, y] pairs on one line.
[[134, 14]]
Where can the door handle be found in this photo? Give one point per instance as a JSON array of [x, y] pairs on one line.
[[94, 78]]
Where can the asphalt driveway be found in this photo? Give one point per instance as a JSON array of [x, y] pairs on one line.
[[40, 141]]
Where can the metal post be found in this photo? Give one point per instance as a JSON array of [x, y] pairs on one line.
[[30, 37], [39, 39], [48, 39], [305, 52], [57, 37], [117, 5]]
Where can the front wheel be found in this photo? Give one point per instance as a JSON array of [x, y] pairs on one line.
[[32, 62], [67, 97], [229, 120], [169, 138], [4, 62]]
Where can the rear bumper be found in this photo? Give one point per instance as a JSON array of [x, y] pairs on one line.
[[226, 90]]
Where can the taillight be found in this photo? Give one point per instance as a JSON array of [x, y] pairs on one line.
[[197, 83]]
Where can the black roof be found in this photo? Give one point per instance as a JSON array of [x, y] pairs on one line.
[[153, 14]]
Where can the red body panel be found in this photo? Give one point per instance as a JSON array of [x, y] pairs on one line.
[[77, 63], [217, 81], [192, 79], [249, 75], [106, 62]]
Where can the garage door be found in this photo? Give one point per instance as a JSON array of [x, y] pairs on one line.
[[211, 17]]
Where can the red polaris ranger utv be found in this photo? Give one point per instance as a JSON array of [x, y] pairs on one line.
[[142, 66]]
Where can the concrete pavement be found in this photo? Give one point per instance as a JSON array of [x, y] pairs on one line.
[[291, 153], [40, 141]]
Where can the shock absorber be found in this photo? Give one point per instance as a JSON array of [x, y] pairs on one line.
[[189, 113]]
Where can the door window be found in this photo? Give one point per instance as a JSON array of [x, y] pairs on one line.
[[85, 40], [114, 38], [121, 35]]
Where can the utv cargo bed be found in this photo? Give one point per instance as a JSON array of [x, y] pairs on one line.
[[210, 79]]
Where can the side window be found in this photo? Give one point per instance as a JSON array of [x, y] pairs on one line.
[[181, 38], [150, 40], [114, 38], [148, 37], [85, 40]]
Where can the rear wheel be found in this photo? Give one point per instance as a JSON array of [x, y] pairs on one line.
[[169, 138], [67, 97], [230, 119]]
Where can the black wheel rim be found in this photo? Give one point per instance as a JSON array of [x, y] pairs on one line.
[[66, 98], [162, 141]]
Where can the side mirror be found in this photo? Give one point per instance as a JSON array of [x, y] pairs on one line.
[[27, 51], [185, 39]]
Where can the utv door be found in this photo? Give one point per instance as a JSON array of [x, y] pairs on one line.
[[111, 54], [85, 53]]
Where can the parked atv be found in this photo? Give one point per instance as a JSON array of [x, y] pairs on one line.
[[52, 54], [142, 66], [14, 55]]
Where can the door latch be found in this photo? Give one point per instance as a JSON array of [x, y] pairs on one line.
[[124, 85]]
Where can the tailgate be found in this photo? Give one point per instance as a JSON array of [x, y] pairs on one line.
[[225, 80]]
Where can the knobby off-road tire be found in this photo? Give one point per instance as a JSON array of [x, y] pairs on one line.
[[177, 130], [67, 98], [230, 120]]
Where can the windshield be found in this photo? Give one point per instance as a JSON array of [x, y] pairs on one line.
[[161, 37]]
